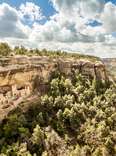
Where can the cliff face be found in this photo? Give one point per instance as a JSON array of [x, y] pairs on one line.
[[24, 71], [111, 66], [21, 75]]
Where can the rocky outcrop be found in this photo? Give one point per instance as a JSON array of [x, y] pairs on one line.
[[20, 76], [110, 63], [34, 71]]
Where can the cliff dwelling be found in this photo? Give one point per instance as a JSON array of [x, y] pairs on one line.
[[15, 95]]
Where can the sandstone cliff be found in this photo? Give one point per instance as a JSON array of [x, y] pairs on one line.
[[111, 66], [20, 76]]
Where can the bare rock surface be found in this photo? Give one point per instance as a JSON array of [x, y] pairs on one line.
[[111, 66]]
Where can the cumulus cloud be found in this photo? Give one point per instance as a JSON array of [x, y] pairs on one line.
[[87, 8], [108, 17], [10, 25], [68, 25], [91, 9], [65, 6], [30, 12], [69, 29]]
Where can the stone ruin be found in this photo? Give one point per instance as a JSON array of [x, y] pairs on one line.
[[15, 94]]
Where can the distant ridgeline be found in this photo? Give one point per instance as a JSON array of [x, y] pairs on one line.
[[55, 104], [6, 50]]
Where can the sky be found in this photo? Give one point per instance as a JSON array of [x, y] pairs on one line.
[[81, 26]]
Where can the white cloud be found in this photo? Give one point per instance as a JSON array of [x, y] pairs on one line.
[[65, 5], [30, 12], [68, 25], [108, 17], [91, 9], [10, 25], [86, 8]]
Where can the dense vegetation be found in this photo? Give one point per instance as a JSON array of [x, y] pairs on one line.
[[77, 117]]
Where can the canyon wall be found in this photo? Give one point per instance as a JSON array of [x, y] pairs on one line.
[[21, 76], [110, 64]]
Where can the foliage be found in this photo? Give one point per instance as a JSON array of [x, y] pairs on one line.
[[5, 50], [75, 117]]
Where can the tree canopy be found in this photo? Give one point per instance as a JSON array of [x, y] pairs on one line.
[[74, 118]]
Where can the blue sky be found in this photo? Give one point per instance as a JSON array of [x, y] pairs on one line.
[[87, 27], [47, 8], [45, 5], [113, 1]]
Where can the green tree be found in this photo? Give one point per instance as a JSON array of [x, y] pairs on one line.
[[5, 50]]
